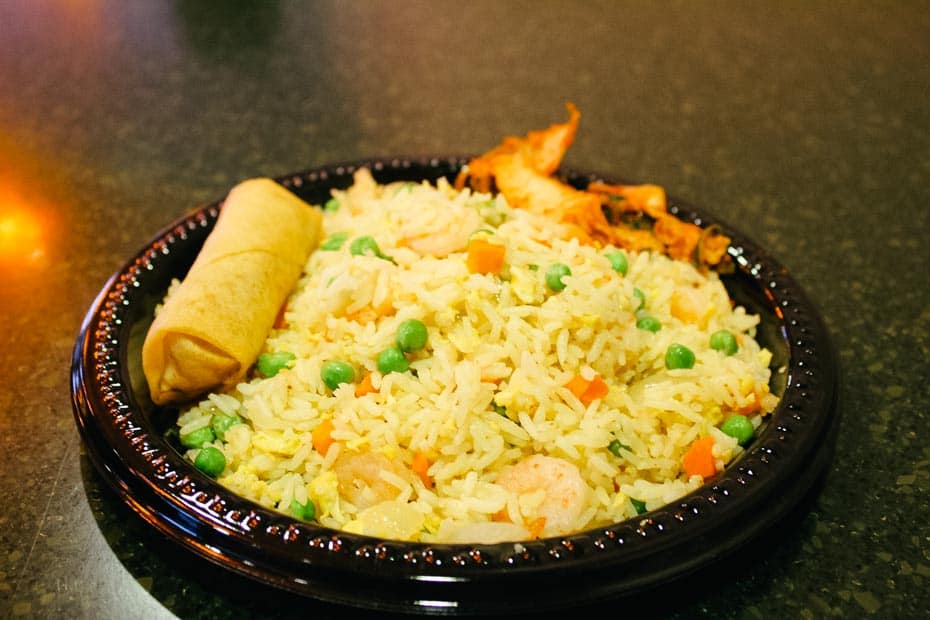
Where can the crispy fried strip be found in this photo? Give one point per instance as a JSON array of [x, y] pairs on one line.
[[521, 169]]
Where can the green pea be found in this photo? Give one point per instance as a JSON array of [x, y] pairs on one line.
[[331, 206], [222, 423], [724, 341], [336, 372], [678, 356], [554, 276], [270, 364], [411, 335], [739, 427], [499, 409], [392, 360], [648, 323], [641, 296], [210, 461], [366, 245], [615, 447], [197, 438], [334, 241], [618, 262], [638, 505], [304, 512]]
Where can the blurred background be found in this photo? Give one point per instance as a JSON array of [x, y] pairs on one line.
[[804, 124]]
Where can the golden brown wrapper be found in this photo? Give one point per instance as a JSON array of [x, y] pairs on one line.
[[212, 327]]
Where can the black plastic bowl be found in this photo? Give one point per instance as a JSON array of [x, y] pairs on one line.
[[125, 437]]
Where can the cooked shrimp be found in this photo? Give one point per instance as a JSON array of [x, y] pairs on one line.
[[691, 305], [442, 242], [361, 481], [565, 491]]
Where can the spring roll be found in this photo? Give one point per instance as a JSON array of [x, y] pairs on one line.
[[212, 327]]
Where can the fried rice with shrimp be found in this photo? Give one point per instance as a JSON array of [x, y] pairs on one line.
[[453, 369]]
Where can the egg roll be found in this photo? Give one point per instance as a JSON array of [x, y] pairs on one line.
[[212, 327]]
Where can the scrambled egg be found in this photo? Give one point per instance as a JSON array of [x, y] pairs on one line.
[[283, 443], [324, 491]]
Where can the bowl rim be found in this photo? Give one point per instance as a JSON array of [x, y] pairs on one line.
[[628, 557]]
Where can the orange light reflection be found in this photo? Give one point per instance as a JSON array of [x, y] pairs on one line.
[[22, 229]]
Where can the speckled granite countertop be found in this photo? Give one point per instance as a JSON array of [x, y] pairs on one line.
[[806, 125]]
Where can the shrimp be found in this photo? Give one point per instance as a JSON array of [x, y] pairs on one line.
[[565, 491], [691, 305], [360, 480], [444, 240]]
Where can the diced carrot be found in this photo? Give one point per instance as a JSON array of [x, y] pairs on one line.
[[420, 467], [501, 515], [587, 391], [484, 256], [365, 386], [699, 459], [536, 526], [321, 436], [597, 389], [577, 385]]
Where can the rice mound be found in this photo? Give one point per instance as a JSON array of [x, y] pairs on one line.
[[512, 452]]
